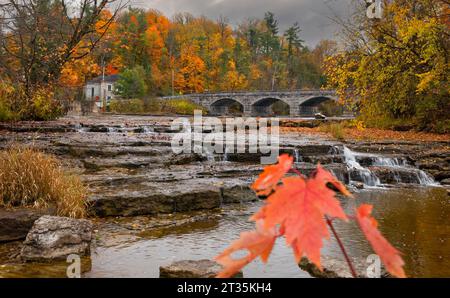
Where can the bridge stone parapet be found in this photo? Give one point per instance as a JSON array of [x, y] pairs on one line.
[[301, 103]]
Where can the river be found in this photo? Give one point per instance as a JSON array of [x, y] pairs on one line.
[[128, 165]]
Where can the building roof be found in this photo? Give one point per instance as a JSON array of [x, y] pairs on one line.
[[108, 79]]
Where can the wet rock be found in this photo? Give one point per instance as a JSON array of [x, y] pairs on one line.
[[447, 187], [445, 181], [315, 149], [358, 185], [164, 199], [389, 175], [336, 268], [101, 129], [192, 269], [16, 223], [166, 129], [323, 159], [125, 162], [340, 171], [441, 175], [183, 159], [54, 238], [244, 157], [142, 130], [238, 194]]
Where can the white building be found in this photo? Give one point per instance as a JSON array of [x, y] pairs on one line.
[[101, 90]]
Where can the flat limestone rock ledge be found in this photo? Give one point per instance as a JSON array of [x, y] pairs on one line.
[[192, 269], [445, 181], [169, 197], [54, 238], [16, 223], [336, 268]]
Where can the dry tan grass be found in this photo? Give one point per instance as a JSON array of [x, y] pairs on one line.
[[30, 178], [336, 130]]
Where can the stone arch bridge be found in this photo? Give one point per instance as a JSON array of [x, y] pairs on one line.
[[301, 103]]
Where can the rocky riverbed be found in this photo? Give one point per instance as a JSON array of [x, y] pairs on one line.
[[151, 206]]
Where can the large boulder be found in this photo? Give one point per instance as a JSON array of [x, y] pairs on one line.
[[16, 223], [192, 269], [54, 238]]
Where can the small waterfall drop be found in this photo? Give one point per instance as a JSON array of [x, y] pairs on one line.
[[366, 175], [399, 168], [112, 129], [225, 157], [297, 156], [426, 179], [205, 152]]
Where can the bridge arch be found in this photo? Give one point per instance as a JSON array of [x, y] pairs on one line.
[[260, 103], [227, 106], [270, 106], [311, 106]]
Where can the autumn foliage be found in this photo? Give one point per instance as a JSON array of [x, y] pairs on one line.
[[301, 210], [189, 54], [395, 71]]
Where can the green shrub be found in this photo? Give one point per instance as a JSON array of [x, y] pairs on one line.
[[44, 107], [131, 83], [29, 178], [129, 106], [182, 107], [155, 106], [6, 94], [5, 111], [152, 105], [16, 105]]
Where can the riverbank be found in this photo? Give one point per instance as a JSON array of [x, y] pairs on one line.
[[151, 206]]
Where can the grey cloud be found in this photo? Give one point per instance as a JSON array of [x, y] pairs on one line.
[[312, 15]]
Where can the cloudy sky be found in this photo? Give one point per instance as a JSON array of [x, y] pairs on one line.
[[312, 15]]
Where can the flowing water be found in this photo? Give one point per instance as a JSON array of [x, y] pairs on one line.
[[412, 209], [415, 220], [396, 166]]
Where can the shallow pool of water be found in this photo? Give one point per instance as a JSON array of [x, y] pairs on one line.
[[415, 220]]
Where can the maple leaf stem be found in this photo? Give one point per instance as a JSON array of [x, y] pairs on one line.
[[295, 171], [341, 246]]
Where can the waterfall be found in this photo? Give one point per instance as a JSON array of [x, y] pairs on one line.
[[396, 166], [402, 164], [297, 156], [334, 150], [390, 162], [368, 178], [425, 179], [225, 155], [209, 155], [205, 152], [147, 129]]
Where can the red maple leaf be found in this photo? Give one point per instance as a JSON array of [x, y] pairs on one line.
[[388, 254], [272, 175], [299, 206], [258, 243]]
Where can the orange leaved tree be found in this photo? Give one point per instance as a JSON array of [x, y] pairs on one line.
[[303, 210]]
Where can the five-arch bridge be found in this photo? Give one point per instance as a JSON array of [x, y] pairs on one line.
[[301, 103]]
